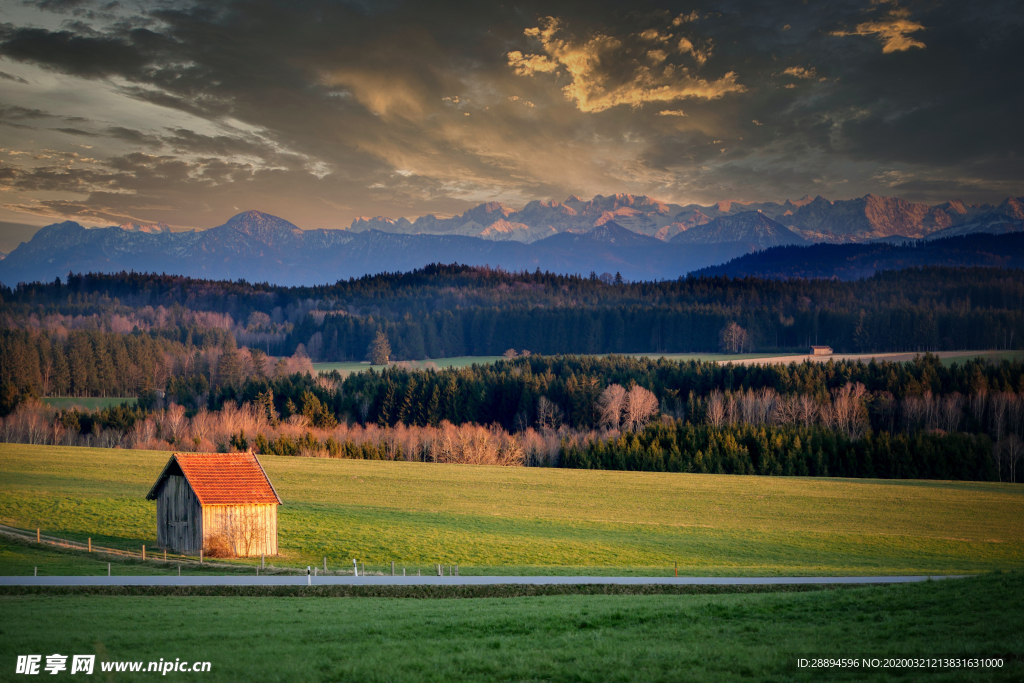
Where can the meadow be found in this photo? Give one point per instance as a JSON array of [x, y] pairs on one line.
[[87, 403], [948, 358], [580, 638], [531, 520]]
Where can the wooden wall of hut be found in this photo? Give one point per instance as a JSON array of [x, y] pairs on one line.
[[179, 526], [248, 529]]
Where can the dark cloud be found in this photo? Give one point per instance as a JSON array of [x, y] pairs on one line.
[[76, 131], [10, 77], [74, 54], [336, 110]]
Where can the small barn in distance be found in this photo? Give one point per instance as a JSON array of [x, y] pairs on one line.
[[221, 503], [821, 350]]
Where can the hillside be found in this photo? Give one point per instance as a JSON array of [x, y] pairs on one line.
[[854, 261]]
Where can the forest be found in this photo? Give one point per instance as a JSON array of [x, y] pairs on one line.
[[451, 310], [203, 381]]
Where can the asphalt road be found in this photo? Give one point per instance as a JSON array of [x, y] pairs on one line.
[[448, 580]]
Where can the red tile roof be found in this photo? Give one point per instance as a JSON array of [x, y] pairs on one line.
[[222, 478]]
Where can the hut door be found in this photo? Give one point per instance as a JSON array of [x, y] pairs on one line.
[[178, 531], [178, 508]]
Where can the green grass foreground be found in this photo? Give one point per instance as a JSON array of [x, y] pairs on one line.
[[600, 638], [530, 520]]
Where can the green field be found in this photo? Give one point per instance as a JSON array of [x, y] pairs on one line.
[[531, 520], [19, 558], [87, 403], [595, 638], [456, 362], [465, 361]]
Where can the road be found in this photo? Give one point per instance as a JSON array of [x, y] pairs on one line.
[[451, 580]]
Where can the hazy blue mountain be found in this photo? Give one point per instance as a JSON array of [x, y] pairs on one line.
[[259, 247], [752, 227], [853, 261]]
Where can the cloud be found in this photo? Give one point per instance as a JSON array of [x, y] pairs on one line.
[[10, 77], [607, 71], [800, 72], [893, 30], [311, 113]]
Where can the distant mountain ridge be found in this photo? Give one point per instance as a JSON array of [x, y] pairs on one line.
[[817, 219], [259, 247], [749, 226], [642, 238]]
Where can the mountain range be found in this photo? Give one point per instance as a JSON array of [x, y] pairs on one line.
[[813, 220], [259, 247], [639, 237]]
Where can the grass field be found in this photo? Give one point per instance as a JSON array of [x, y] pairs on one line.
[[456, 362], [564, 638], [528, 520], [465, 361], [87, 403], [18, 558]]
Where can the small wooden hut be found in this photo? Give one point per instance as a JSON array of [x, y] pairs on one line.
[[221, 503], [821, 350]]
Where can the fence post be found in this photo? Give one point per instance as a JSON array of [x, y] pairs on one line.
[[456, 570], [143, 552], [325, 565], [165, 554], [200, 556], [363, 567], [677, 568], [35, 571], [108, 569], [90, 545], [392, 567], [179, 570], [37, 535], [263, 561]]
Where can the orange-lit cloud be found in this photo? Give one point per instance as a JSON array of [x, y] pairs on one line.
[[800, 72], [893, 30], [607, 71]]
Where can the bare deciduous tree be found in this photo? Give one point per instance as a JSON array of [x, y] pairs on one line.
[[997, 414], [641, 404], [807, 409], [952, 411], [715, 412], [610, 404]]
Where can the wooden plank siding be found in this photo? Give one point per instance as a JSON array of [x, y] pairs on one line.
[[248, 529], [179, 517]]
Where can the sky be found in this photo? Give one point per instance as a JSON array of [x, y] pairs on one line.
[[320, 112]]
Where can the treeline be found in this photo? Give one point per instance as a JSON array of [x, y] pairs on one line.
[[447, 311], [508, 392], [91, 363], [786, 450]]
